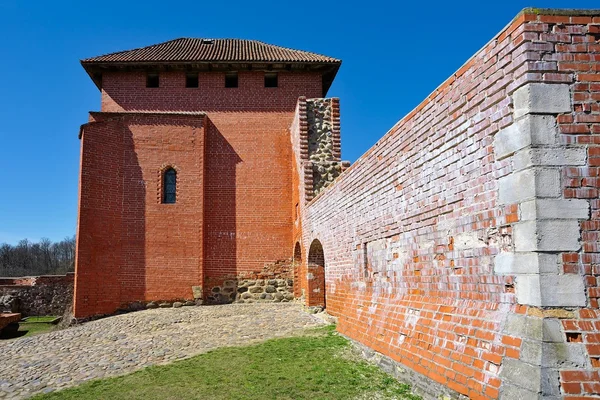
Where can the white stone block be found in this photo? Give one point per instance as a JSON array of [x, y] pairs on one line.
[[546, 235], [508, 263], [528, 184], [527, 131], [549, 157], [554, 209], [527, 290], [541, 98], [516, 263], [562, 291]]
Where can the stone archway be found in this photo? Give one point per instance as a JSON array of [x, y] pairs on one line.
[[316, 275]]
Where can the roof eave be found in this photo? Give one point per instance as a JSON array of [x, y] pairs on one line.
[[92, 67]]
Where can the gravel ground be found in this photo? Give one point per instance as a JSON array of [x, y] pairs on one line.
[[122, 344]]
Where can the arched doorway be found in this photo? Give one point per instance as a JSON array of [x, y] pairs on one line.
[[297, 265], [316, 275]]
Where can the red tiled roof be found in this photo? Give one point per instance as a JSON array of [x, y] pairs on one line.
[[212, 50]]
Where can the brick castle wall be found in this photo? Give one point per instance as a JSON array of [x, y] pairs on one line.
[[129, 243], [433, 255], [235, 214], [127, 91]]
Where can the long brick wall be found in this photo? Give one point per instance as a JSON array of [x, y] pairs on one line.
[[463, 245]]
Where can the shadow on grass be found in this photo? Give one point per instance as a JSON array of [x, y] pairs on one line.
[[7, 334], [26, 329]]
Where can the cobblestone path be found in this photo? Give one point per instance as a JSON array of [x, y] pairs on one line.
[[125, 343]]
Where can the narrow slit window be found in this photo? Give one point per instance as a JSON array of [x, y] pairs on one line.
[[152, 80], [169, 186], [191, 80], [231, 80], [271, 79]]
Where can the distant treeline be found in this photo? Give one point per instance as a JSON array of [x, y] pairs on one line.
[[43, 258]]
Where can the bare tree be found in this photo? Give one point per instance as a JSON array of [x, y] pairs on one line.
[[43, 258]]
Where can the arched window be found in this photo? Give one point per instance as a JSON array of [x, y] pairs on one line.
[[169, 186]]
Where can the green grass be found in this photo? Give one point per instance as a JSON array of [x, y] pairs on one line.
[[46, 318], [316, 366], [36, 328]]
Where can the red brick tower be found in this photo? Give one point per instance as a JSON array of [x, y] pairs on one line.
[[186, 172]]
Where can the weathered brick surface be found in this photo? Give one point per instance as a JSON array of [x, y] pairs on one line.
[[410, 232]]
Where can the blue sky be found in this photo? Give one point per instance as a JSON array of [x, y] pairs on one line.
[[393, 56]]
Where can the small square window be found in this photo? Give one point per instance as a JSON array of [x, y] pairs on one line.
[[191, 80], [231, 80], [152, 80], [271, 79]]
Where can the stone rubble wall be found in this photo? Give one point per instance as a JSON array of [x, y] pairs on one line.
[[322, 143], [40, 295], [274, 283]]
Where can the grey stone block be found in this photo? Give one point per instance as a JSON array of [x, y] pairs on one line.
[[550, 290], [524, 326], [564, 355], [512, 392], [541, 98], [516, 263], [552, 331], [549, 157], [550, 384], [508, 263], [521, 374], [527, 131], [527, 290], [562, 291], [528, 184], [531, 352], [546, 235], [554, 209]]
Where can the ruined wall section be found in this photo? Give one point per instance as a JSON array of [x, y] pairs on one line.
[[433, 264], [316, 147], [323, 121], [39, 295]]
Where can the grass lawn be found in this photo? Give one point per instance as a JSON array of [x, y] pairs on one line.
[[46, 318], [316, 366], [30, 329]]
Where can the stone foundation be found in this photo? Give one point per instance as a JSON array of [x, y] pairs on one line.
[[421, 385], [275, 283]]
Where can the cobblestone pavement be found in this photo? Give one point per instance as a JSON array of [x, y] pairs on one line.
[[125, 343]]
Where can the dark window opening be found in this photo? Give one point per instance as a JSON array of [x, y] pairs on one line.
[[271, 79], [169, 186], [231, 80], [152, 80], [191, 80]]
